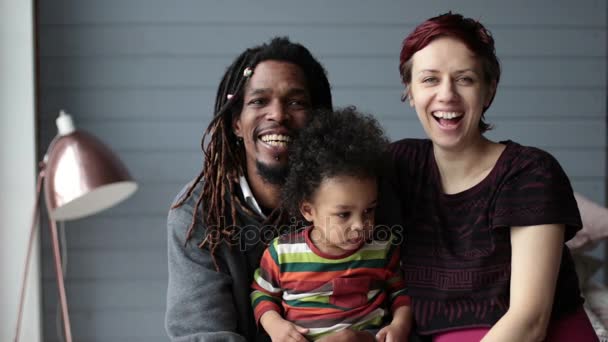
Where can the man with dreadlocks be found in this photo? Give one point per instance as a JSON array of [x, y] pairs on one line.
[[214, 228]]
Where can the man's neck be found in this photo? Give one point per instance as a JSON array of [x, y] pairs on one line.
[[267, 195]]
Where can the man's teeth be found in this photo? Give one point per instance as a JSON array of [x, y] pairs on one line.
[[276, 139], [447, 115]]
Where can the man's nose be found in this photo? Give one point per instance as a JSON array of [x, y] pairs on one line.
[[277, 112]]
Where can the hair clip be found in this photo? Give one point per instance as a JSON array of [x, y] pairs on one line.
[[229, 96], [247, 72]]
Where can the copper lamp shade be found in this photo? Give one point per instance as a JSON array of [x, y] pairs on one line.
[[83, 176]]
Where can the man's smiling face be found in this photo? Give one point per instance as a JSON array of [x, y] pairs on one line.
[[276, 104]]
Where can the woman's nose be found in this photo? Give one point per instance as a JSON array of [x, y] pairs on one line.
[[447, 91]]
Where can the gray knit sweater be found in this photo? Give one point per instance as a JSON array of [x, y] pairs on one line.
[[203, 304]]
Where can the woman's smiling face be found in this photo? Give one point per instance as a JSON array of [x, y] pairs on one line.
[[449, 93]]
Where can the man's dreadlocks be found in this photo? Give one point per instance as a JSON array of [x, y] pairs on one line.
[[223, 157]]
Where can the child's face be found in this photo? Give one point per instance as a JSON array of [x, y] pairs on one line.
[[342, 212]]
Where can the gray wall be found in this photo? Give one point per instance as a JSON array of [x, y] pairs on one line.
[[141, 75]]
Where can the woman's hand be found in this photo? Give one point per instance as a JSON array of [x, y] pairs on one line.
[[280, 329]]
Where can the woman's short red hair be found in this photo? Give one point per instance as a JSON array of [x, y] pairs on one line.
[[471, 32]]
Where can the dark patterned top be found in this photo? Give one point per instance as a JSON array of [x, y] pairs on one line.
[[457, 253]]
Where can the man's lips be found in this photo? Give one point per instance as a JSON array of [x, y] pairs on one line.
[[275, 140]]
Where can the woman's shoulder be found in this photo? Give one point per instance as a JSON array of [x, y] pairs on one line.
[[410, 149], [521, 157], [410, 144]]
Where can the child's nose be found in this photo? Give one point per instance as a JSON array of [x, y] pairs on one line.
[[358, 224]]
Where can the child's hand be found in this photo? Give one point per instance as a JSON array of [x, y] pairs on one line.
[[280, 329], [393, 332], [399, 329]]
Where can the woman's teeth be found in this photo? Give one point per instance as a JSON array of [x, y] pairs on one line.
[[447, 115]]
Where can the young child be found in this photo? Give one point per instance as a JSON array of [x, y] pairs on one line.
[[333, 275]]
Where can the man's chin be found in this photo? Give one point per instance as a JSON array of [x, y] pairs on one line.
[[272, 174]]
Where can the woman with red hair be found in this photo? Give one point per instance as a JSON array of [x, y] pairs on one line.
[[485, 221]]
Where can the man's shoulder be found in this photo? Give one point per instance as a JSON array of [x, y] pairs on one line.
[[180, 216], [183, 192]]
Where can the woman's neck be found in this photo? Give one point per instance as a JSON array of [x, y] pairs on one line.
[[461, 169]]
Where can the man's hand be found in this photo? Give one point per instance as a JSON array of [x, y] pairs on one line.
[[280, 329]]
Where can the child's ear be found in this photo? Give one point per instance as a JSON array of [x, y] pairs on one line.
[[307, 210]]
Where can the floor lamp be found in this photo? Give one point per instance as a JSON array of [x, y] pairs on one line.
[[81, 177]]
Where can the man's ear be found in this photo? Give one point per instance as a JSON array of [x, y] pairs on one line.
[[236, 126], [307, 210]]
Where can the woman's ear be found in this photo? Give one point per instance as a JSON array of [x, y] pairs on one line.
[[490, 94], [407, 95], [307, 210]]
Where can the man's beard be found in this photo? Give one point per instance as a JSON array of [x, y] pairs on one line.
[[275, 175]]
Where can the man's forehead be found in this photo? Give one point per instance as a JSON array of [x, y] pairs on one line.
[[269, 90]]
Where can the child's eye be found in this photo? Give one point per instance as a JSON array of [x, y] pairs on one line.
[[343, 215], [369, 211]]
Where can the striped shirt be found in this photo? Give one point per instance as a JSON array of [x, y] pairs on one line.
[[327, 293]]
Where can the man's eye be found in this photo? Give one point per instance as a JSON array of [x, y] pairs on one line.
[[369, 210], [299, 103], [256, 101], [343, 215]]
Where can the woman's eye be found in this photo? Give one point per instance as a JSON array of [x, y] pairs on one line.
[[465, 80], [429, 80]]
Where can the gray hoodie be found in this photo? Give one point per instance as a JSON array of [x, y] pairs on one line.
[[202, 303]]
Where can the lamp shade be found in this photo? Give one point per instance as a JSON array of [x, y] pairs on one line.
[[83, 176]]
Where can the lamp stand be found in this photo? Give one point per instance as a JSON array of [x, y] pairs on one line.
[[60, 284], [57, 258]]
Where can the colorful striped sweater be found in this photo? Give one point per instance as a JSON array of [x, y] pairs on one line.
[[326, 293]]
